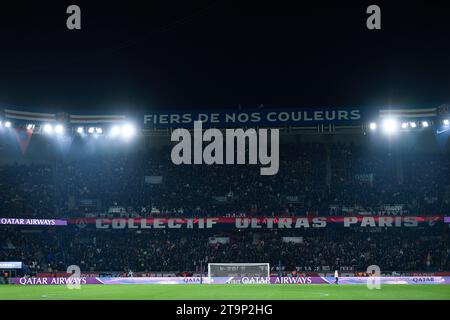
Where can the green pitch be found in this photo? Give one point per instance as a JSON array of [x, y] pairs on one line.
[[225, 292]]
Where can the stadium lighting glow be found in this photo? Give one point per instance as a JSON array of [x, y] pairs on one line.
[[413, 124], [446, 122], [59, 129], [390, 126], [425, 124], [48, 128], [373, 126], [99, 130], [405, 125], [115, 131], [91, 130], [30, 126], [7, 124], [80, 130], [128, 130]]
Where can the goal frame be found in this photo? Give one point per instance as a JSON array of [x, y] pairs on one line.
[[239, 264]]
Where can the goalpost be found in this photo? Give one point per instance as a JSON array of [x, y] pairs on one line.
[[238, 270]]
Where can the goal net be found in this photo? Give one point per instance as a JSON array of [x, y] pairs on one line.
[[238, 270]]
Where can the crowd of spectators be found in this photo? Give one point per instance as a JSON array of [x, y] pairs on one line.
[[313, 178], [186, 250], [27, 190]]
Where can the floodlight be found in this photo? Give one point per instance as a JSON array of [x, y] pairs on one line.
[[30, 126], [128, 130], [373, 126], [413, 124], [425, 124], [446, 122], [80, 130], [115, 131], [48, 128], [390, 126], [91, 130], [59, 129], [99, 130], [8, 124], [405, 125]]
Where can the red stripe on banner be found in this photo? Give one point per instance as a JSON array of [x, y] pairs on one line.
[[98, 118], [29, 116], [232, 220], [392, 113]]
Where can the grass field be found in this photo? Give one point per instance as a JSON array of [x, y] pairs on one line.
[[225, 292]]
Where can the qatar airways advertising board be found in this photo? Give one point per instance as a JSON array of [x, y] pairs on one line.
[[33, 222], [229, 280]]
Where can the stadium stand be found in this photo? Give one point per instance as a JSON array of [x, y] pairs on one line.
[[358, 182], [315, 179]]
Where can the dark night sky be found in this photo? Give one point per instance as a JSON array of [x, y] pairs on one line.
[[220, 53]]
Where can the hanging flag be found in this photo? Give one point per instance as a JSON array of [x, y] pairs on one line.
[[23, 136]]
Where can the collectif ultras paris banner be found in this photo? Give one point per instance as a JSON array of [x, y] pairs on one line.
[[265, 222], [237, 222]]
